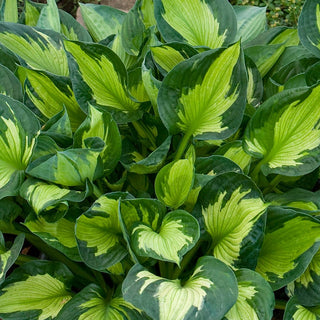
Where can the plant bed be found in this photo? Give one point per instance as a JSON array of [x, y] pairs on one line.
[[160, 164]]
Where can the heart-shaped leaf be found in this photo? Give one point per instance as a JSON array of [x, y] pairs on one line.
[[204, 96], [207, 294], [233, 213], [178, 233]]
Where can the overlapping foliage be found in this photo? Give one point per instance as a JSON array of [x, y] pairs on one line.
[[162, 164]]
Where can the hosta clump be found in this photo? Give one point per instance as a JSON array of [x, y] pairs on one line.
[[159, 164]]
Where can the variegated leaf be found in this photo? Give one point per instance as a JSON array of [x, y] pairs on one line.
[[167, 56], [295, 311], [178, 233], [59, 235], [72, 29], [36, 49], [100, 124], [286, 251], [255, 298], [45, 286], [149, 212], [9, 256], [32, 12], [284, 133], [147, 11], [200, 94], [234, 151], [309, 26], [233, 213], [49, 94], [99, 77], [174, 181], [307, 287], [296, 198], [49, 200], [208, 293], [19, 129], [92, 304], [101, 21], [49, 17], [99, 233], [71, 167], [9, 211], [136, 86], [199, 23]]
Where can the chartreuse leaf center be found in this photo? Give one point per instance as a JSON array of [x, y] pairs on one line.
[[41, 292], [202, 109], [198, 32]]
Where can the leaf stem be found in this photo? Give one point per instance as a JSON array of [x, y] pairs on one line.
[[96, 191], [186, 260], [182, 147], [280, 304], [255, 173], [23, 259], [101, 281], [274, 182], [145, 132]]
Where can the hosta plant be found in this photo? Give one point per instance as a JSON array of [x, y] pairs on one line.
[[159, 164]]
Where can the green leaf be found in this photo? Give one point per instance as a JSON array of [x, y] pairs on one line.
[[49, 17], [48, 94], [9, 11], [216, 81], [136, 86], [45, 287], [35, 48], [59, 129], [251, 21], [295, 311], [309, 26], [10, 84], [200, 23], [99, 77], [178, 233], [167, 56], [100, 124], [71, 167], [233, 213], [307, 287], [31, 12], [92, 304], [72, 29], [48, 200], [19, 129], [9, 211], [255, 84], [8, 257], [173, 182], [101, 21], [255, 298], [99, 234], [286, 251], [151, 164], [207, 294], [284, 133], [59, 235], [45, 146]]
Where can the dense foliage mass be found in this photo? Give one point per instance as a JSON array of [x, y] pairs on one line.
[[160, 164]]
